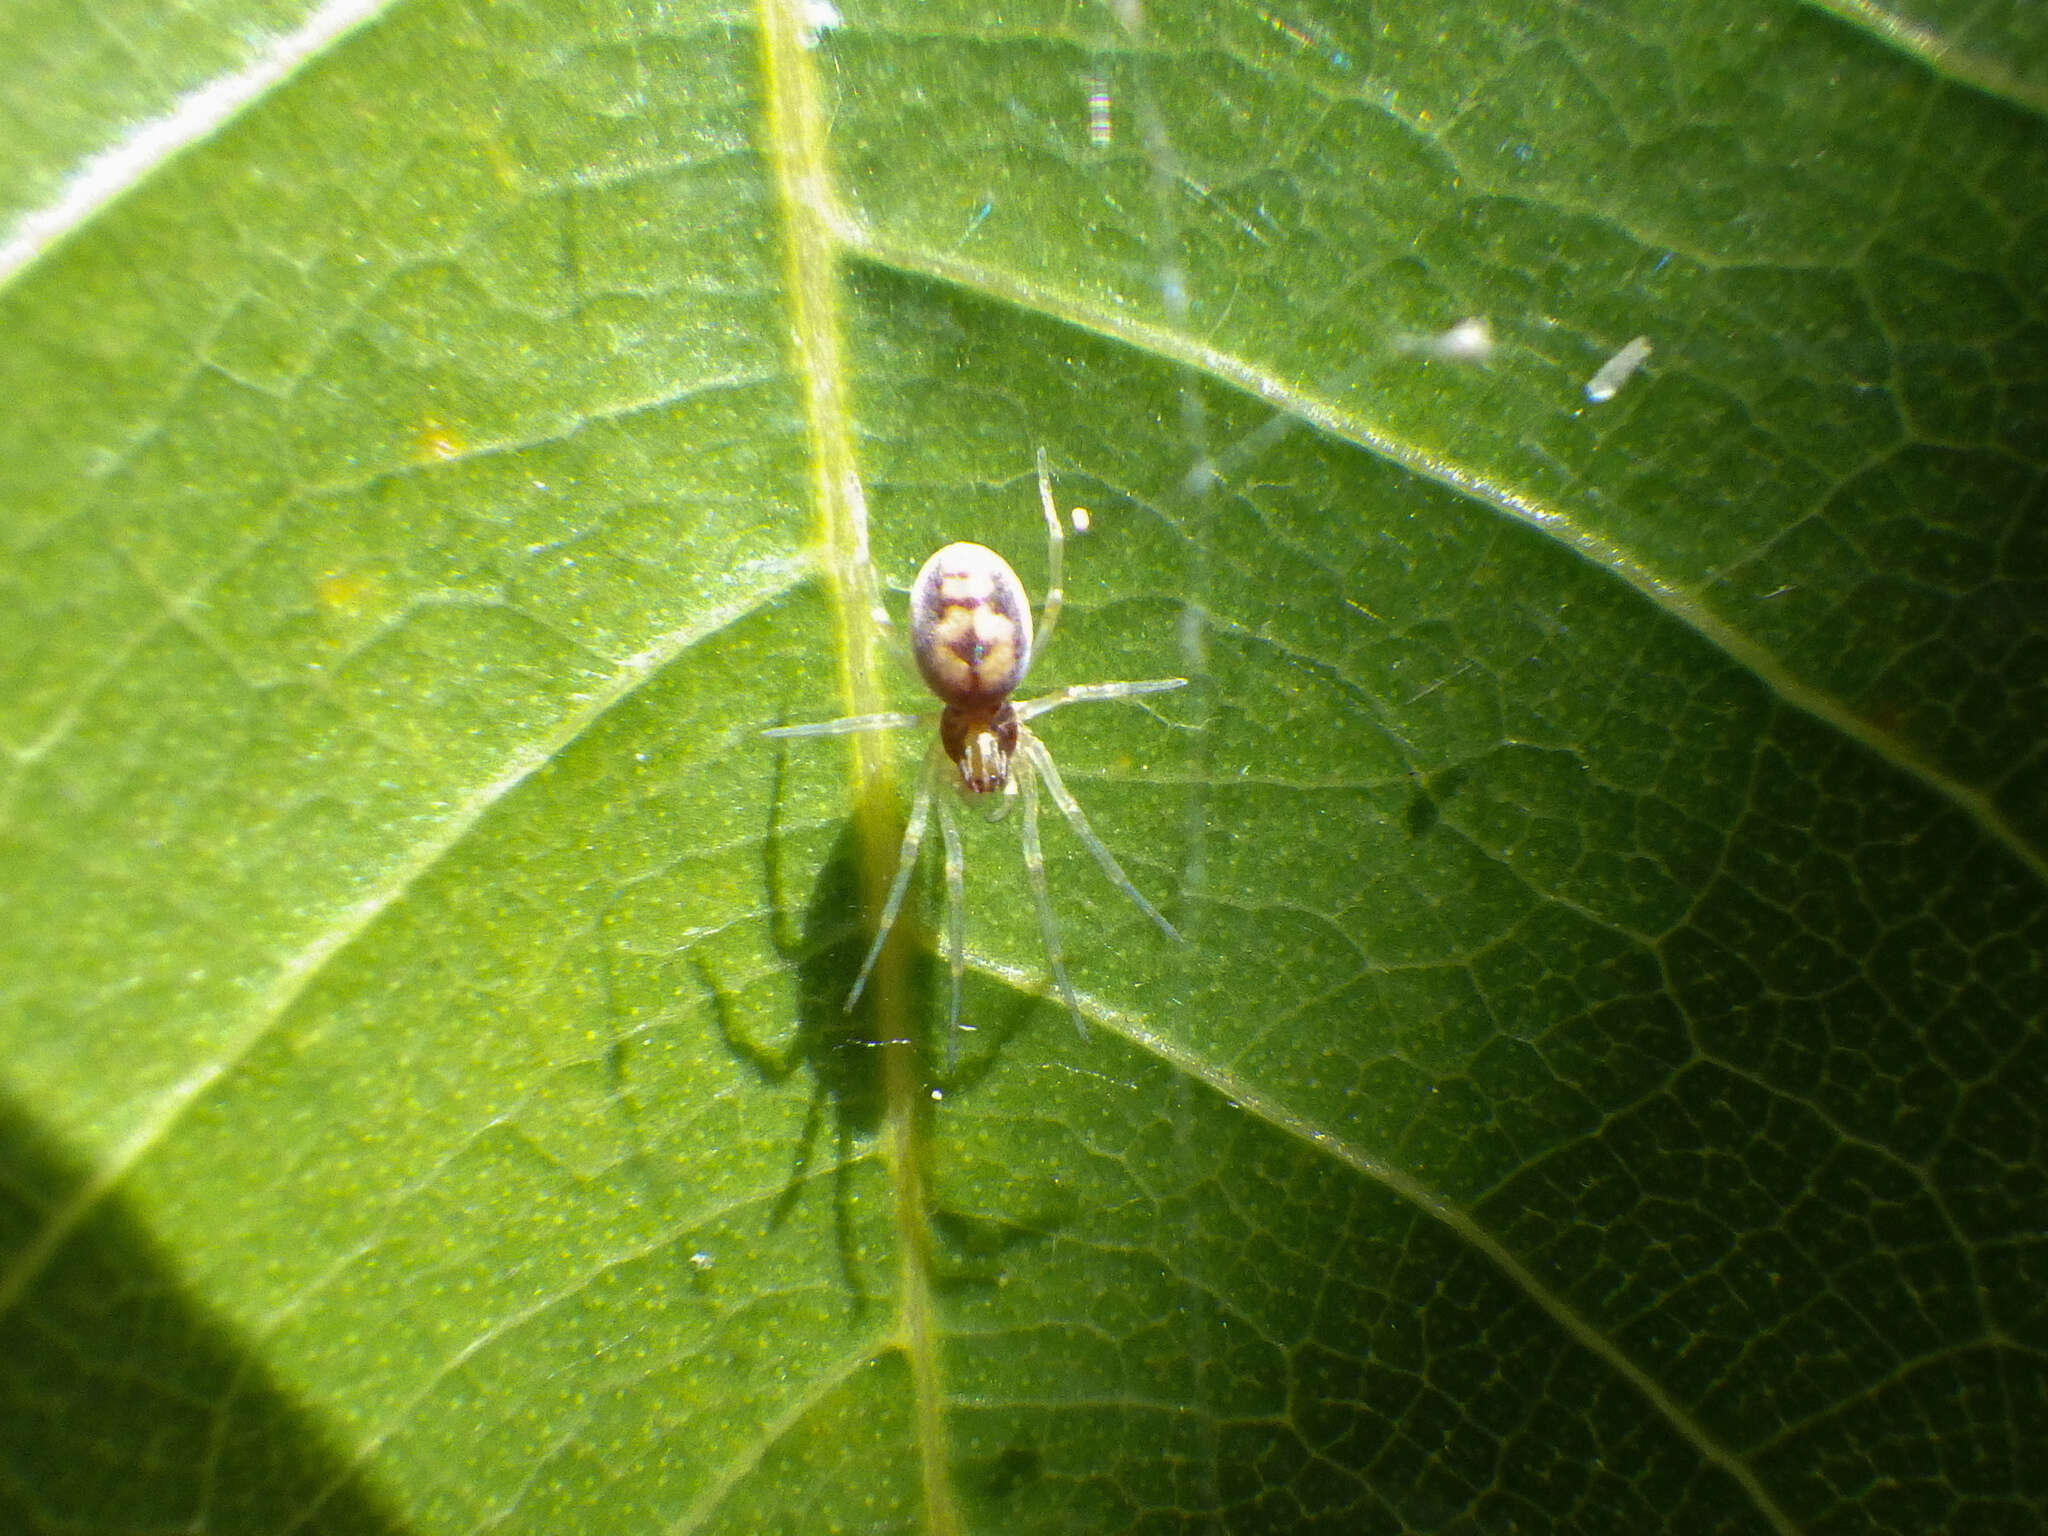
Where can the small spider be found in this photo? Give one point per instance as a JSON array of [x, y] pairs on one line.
[[971, 641]]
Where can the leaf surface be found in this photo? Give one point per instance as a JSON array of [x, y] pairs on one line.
[[1600, 1088]]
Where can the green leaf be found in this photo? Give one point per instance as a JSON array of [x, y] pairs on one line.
[[1601, 1088]]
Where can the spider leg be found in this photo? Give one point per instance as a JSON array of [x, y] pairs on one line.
[[956, 919], [1084, 693], [1055, 558], [1034, 873], [1034, 752], [852, 723], [906, 861], [870, 579], [857, 512]]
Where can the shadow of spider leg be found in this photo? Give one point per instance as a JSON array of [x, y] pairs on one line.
[[819, 936]]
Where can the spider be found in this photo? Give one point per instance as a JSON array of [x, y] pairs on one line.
[[971, 642]]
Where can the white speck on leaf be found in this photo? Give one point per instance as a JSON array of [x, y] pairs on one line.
[[816, 18], [1614, 373], [1469, 341]]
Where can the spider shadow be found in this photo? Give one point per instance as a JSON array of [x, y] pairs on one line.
[[1427, 797], [842, 1049]]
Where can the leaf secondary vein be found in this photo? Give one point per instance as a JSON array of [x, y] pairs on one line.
[[1667, 595], [1285, 1120], [148, 147], [297, 974]]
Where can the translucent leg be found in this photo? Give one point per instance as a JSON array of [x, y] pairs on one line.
[[853, 723], [1033, 751], [871, 579], [1034, 873], [885, 631], [857, 510], [1055, 558], [956, 919], [1083, 693], [906, 861]]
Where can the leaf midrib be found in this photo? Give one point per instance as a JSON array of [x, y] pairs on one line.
[[795, 134]]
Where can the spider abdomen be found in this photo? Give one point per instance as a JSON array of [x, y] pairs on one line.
[[970, 626]]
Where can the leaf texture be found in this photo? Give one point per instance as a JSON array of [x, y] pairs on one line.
[[1601, 1086]]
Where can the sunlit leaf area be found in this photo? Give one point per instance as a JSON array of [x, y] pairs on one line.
[[1588, 465]]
